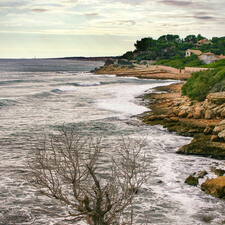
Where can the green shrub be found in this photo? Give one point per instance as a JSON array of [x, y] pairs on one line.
[[181, 62], [201, 83], [217, 64]]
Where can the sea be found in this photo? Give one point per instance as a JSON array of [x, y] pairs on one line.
[[39, 95]]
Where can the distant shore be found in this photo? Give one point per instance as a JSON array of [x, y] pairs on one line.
[[147, 72]]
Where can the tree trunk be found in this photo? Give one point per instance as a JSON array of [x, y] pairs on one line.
[[96, 220]]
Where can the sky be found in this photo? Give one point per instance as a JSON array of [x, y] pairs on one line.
[[57, 28]]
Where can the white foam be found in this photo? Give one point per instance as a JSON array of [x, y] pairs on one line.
[[87, 84], [123, 98], [67, 88]]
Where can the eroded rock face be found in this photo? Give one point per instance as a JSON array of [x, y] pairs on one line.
[[215, 187]]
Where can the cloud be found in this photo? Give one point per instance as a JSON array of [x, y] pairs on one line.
[[12, 4], [176, 2], [131, 2], [39, 10], [205, 17], [90, 15]]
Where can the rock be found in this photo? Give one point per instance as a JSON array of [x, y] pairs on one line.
[[219, 128], [214, 138], [192, 180], [208, 114], [201, 174], [222, 134], [182, 113], [190, 115], [215, 187], [197, 112], [173, 118], [218, 172], [208, 130], [222, 113]]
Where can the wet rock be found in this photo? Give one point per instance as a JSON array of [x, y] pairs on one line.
[[192, 180], [215, 187], [201, 174], [208, 130], [204, 147], [218, 172], [214, 138]]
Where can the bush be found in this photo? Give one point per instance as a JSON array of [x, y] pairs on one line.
[[201, 83]]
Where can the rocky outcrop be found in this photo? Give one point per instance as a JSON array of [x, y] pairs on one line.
[[192, 180], [202, 120], [215, 187]]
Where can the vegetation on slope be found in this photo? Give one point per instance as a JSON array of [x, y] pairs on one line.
[[181, 62], [202, 83], [169, 46]]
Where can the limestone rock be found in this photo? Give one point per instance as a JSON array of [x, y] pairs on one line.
[[222, 134], [215, 187], [208, 114], [197, 112], [182, 113]]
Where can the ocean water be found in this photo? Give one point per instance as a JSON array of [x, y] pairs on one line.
[[37, 96]]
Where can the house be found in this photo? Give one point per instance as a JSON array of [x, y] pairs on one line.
[[208, 57], [191, 52], [220, 57], [203, 42]]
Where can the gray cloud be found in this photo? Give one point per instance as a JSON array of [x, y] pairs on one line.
[[176, 2], [205, 17], [131, 2], [39, 10], [12, 4], [91, 14]]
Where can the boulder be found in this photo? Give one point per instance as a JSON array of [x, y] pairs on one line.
[[192, 180], [215, 187]]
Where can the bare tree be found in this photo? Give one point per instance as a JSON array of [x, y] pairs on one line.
[[67, 167]]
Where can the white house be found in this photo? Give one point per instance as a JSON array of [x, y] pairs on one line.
[[190, 52]]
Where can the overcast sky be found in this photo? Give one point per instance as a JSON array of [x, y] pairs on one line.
[[53, 28]]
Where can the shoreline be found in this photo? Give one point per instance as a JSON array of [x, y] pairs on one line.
[[162, 107], [146, 72], [178, 113]]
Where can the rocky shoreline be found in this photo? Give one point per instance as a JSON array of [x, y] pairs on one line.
[[204, 121]]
